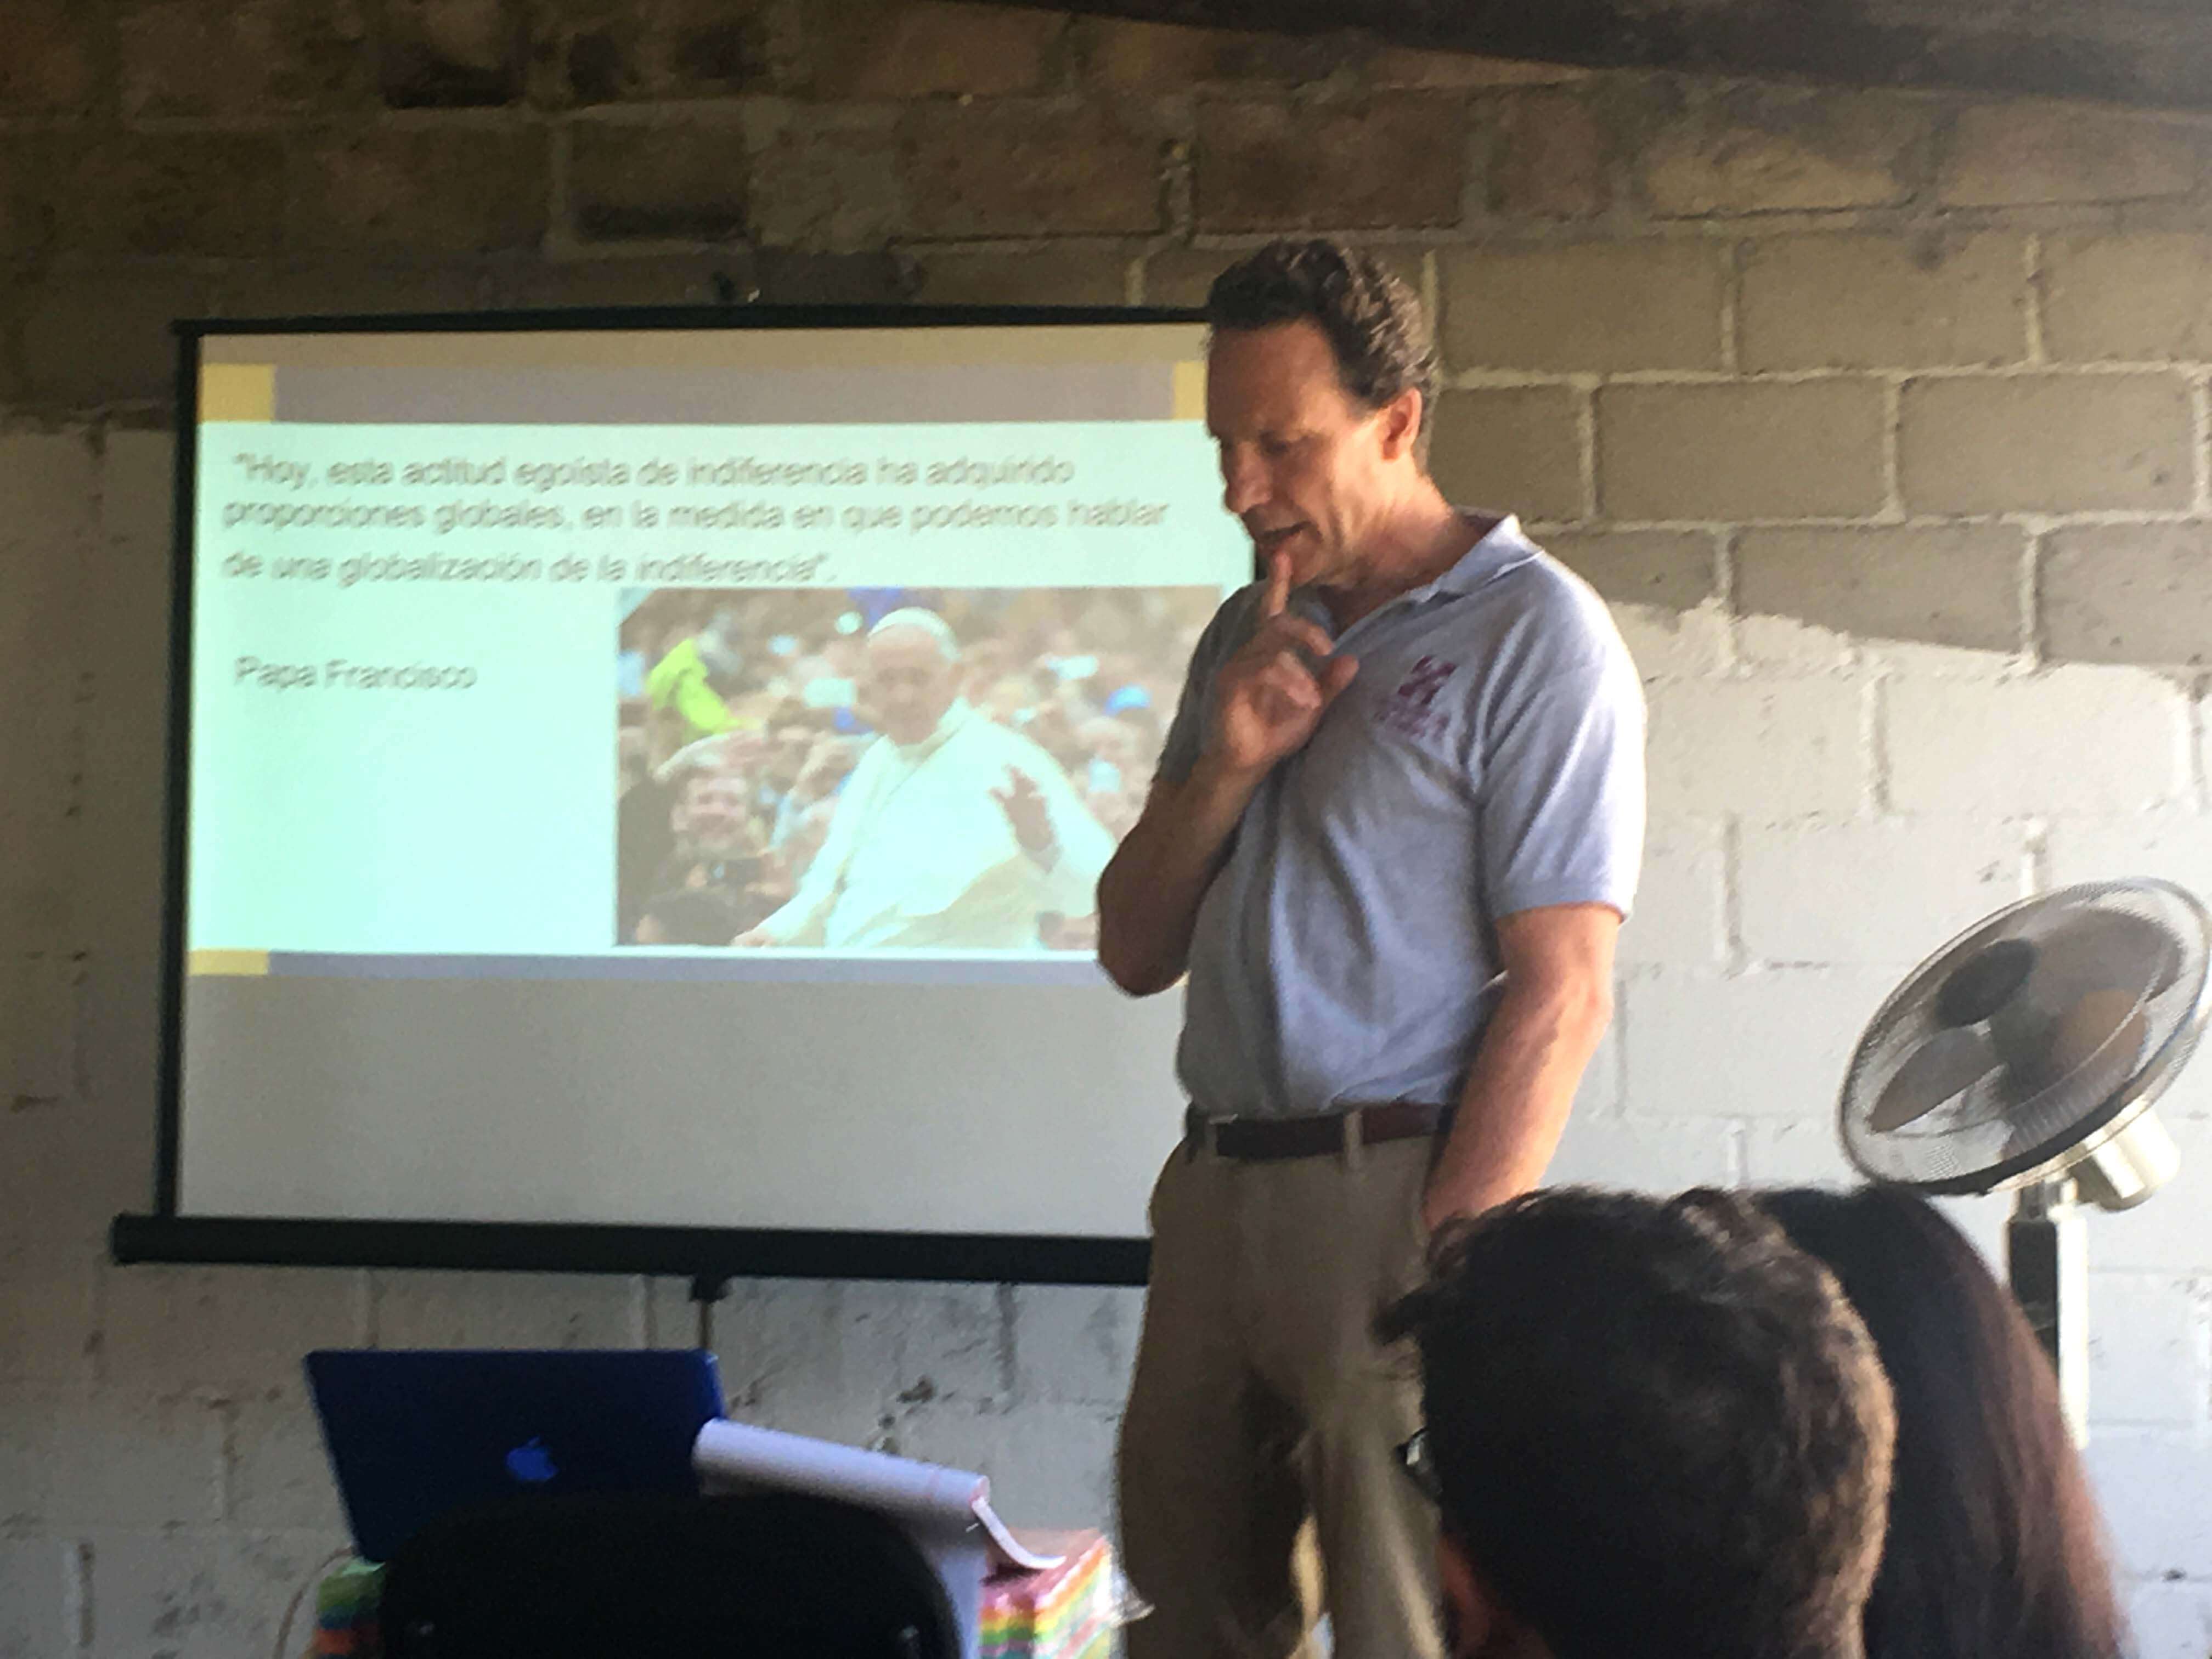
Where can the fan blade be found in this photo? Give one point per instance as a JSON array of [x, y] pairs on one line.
[[2103, 1033], [2090, 975], [2107, 948], [1945, 1066]]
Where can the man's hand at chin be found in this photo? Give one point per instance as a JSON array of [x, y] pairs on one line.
[[1271, 694]]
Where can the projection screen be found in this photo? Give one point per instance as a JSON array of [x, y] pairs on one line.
[[639, 786]]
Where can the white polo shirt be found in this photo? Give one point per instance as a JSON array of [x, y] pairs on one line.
[[1488, 759]]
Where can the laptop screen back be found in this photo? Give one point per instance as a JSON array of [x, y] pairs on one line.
[[416, 1434]]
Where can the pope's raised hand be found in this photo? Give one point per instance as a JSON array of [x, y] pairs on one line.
[[1270, 695], [1027, 815]]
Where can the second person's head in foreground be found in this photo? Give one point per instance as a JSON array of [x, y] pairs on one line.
[[1654, 1427], [1995, 1550]]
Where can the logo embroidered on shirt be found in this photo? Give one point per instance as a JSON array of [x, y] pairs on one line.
[[1407, 710]]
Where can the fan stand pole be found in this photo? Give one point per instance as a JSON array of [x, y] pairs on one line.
[[2048, 1255]]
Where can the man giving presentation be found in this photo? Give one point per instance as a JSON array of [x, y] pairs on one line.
[[1395, 826]]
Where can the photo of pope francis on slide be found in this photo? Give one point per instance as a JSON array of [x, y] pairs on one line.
[[886, 769]]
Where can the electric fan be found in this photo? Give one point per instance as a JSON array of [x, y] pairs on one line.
[[2024, 1055]]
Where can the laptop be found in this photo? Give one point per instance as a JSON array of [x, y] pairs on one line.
[[416, 1434]]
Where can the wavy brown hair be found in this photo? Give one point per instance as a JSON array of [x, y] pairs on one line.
[[1372, 320]]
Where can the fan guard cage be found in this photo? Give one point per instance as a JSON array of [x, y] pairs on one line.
[[1997, 1134]]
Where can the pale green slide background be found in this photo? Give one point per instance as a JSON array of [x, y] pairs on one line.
[[480, 821]]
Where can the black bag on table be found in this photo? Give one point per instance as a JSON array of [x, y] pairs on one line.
[[764, 1576]]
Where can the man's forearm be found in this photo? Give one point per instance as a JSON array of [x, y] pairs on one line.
[[1150, 892], [1517, 1096]]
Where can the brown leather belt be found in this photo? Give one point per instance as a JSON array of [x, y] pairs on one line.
[[1255, 1139]]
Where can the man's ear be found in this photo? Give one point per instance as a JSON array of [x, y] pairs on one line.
[[1401, 419]]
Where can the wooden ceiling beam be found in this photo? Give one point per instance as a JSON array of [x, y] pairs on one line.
[[2144, 54]]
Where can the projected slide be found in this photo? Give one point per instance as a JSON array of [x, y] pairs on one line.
[[478, 666], [681, 760]]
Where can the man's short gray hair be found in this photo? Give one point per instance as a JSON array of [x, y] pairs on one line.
[[928, 622]]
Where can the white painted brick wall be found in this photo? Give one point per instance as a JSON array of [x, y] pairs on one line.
[[1660, 1155], [126, 1457], [227, 1328], [1677, 645], [2201, 722], [38, 1584], [1769, 749], [1074, 1344], [27, 1410], [2171, 1620], [1796, 1151], [1769, 1043], [2087, 740], [530, 1311], [2147, 1338], [2157, 1492], [2175, 845], [1873, 892], [47, 1317], [49, 483], [66, 1169], [38, 1028], [1049, 1465], [791, 1358], [1784, 645], [1681, 913], [1604, 1079], [277, 1477], [2167, 1234], [193, 1594]]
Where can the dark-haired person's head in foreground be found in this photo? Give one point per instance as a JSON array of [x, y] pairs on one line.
[[1653, 1426], [1995, 1549]]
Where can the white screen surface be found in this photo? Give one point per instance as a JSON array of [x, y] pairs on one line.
[[656, 777]]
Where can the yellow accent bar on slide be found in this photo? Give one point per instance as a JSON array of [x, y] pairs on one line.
[[1189, 400], [236, 965], [238, 392]]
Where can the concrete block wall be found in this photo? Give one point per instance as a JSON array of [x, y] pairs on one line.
[[1882, 420]]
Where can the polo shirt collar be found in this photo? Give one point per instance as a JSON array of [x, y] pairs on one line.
[[1501, 546]]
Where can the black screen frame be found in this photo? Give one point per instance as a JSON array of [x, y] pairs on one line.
[[709, 1255]]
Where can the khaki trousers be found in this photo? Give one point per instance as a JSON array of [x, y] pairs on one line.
[[1264, 1419]]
